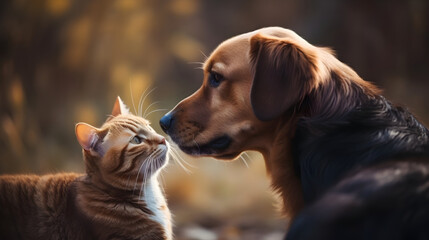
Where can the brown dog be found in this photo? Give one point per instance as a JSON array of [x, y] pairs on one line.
[[258, 89], [218, 121]]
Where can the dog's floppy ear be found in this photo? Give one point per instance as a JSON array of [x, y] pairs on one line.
[[283, 75]]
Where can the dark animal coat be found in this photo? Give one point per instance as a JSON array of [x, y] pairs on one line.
[[364, 173]]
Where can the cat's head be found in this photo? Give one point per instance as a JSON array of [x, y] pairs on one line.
[[125, 152]]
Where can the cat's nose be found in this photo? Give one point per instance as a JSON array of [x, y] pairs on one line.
[[166, 121], [162, 141]]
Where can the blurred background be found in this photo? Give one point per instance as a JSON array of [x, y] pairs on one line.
[[65, 61]]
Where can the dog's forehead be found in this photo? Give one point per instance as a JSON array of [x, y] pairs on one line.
[[226, 52], [238, 47], [277, 32]]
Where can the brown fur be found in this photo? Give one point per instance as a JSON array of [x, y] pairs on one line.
[[104, 203], [271, 77]]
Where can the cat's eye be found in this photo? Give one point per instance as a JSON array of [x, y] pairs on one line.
[[136, 140]]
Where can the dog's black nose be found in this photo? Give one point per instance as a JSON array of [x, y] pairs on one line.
[[165, 122]]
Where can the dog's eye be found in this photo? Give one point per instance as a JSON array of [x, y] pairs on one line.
[[215, 79]]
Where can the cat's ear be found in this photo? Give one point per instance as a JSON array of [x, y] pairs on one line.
[[87, 135], [120, 108]]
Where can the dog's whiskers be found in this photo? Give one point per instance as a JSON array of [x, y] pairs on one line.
[[244, 160], [247, 155], [193, 138], [205, 56], [199, 63]]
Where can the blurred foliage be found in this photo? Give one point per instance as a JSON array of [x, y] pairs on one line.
[[64, 61]]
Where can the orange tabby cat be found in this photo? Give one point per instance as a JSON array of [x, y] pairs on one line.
[[118, 198]]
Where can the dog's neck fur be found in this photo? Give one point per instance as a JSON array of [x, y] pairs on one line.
[[343, 104], [278, 160], [343, 92]]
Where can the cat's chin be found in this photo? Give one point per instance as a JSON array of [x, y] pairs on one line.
[[162, 158], [163, 161]]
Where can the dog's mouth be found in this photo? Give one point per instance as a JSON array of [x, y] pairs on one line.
[[213, 148]]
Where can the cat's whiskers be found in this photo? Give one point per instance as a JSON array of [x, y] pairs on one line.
[[175, 148], [148, 175], [142, 102], [175, 155], [132, 99], [162, 181], [162, 184], [144, 171], [128, 182], [152, 170], [145, 176], [147, 108], [156, 110]]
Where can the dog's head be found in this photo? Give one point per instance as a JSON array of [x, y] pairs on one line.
[[250, 81]]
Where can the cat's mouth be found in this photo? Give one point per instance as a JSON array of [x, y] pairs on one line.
[[214, 147]]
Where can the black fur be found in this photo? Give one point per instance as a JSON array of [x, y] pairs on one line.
[[386, 201], [365, 174]]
